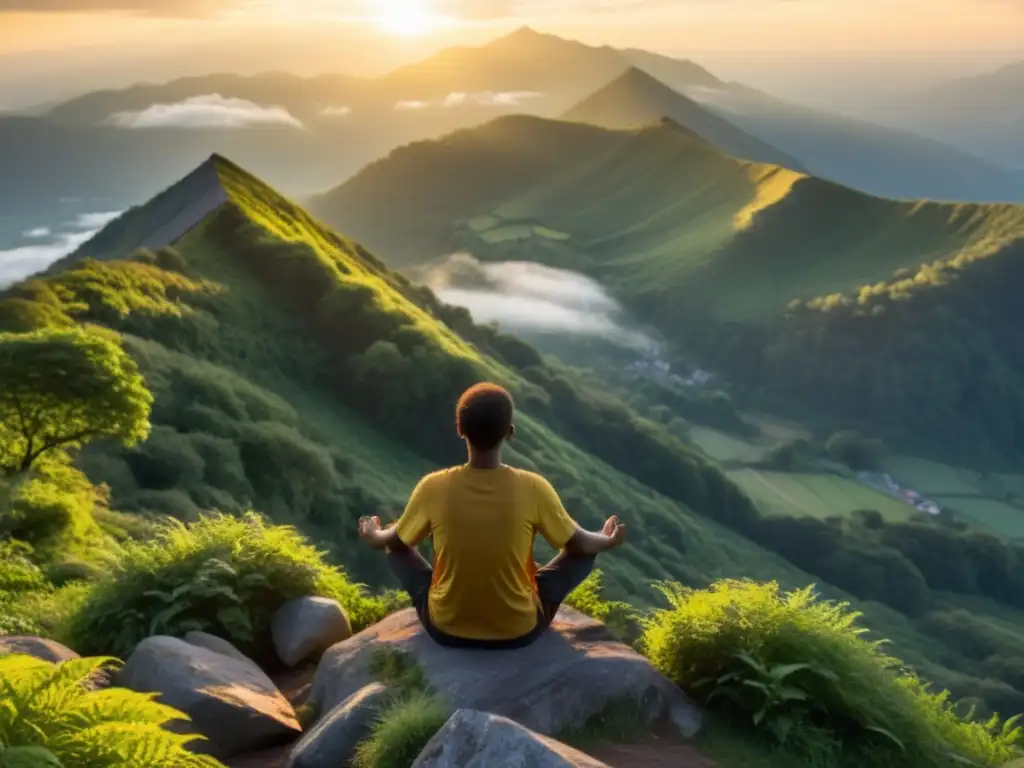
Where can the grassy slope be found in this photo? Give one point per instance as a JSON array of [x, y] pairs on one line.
[[658, 216], [703, 551], [259, 339], [252, 319]]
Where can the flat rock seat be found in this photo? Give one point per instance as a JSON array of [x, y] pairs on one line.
[[572, 673]]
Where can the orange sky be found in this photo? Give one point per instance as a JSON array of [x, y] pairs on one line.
[[818, 51], [725, 25]]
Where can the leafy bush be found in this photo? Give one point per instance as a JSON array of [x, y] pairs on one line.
[[800, 670], [19, 577], [855, 451], [49, 719], [589, 598], [221, 574], [51, 507]]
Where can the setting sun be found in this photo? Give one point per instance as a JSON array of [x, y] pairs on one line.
[[406, 17]]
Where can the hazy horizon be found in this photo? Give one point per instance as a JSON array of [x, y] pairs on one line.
[[822, 53]]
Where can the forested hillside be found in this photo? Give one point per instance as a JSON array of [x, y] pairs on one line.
[[262, 334], [292, 372], [806, 294]]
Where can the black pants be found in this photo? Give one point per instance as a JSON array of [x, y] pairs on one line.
[[555, 581]]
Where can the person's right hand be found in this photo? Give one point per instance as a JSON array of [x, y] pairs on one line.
[[369, 527], [615, 531]]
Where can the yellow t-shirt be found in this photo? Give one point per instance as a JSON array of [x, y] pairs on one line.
[[483, 523]]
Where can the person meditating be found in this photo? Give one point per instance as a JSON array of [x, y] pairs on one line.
[[484, 589]]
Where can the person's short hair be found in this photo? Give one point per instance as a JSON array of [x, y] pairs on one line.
[[484, 415]]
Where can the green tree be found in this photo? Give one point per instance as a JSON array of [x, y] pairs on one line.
[[62, 389]]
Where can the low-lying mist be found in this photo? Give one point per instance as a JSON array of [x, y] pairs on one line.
[[532, 298]]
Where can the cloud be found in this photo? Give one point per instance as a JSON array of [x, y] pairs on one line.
[[717, 97], [18, 263], [527, 297], [210, 111], [336, 111], [405, 106], [455, 100], [95, 220], [491, 98], [35, 234], [482, 99]]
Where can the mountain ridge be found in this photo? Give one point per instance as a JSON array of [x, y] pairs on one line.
[[638, 98], [79, 150], [720, 255]]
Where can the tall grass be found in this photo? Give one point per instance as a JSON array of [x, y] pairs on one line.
[[221, 574], [800, 671], [404, 727]]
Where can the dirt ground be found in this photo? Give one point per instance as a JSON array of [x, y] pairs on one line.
[[651, 752]]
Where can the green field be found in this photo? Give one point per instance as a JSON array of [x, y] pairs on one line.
[[980, 499], [998, 516], [932, 477], [496, 229], [726, 448], [815, 495]]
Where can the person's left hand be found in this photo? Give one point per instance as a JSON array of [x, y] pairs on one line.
[[369, 527]]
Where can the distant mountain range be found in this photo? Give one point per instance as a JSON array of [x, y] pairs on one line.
[[307, 134], [796, 286], [982, 114], [637, 98]]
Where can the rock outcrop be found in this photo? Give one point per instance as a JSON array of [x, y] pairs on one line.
[[37, 647], [472, 739], [333, 741], [231, 702], [305, 627], [217, 645], [558, 683]]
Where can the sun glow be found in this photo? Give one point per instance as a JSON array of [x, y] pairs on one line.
[[408, 18]]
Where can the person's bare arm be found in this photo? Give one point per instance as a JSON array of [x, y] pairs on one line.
[[372, 533], [588, 543]]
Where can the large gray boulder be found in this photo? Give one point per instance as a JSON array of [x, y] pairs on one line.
[[217, 645], [561, 681], [305, 627], [473, 739], [36, 647], [333, 741], [232, 703]]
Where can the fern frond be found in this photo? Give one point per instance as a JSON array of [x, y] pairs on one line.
[[46, 709], [132, 745], [119, 704]]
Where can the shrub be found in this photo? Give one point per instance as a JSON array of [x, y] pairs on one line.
[[221, 574], [589, 598], [19, 577], [51, 508], [855, 451], [800, 669], [49, 719]]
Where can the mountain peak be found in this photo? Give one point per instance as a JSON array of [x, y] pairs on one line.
[[637, 98], [527, 36]]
